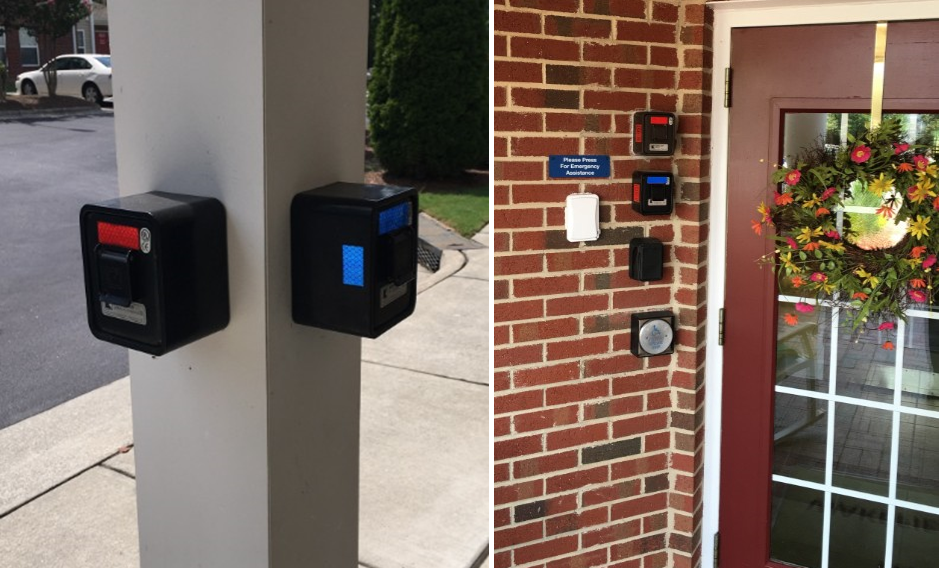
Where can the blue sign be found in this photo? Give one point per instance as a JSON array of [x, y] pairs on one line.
[[578, 166]]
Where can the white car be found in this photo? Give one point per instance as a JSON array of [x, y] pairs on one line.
[[82, 75]]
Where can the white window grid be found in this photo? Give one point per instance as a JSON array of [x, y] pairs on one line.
[[896, 408]]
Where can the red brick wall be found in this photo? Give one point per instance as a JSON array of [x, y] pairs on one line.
[[14, 65], [597, 453]]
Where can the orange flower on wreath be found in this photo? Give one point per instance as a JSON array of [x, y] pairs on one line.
[[917, 252], [756, 226], [821, 211], [917, 283], [809, 247], [860, 296], [791, 319], [888, 345], [797, 281], [905, 167]]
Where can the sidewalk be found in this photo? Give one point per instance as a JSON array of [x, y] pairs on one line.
[[67, 491]]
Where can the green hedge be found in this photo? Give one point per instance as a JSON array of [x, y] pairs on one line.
[[428, 94]]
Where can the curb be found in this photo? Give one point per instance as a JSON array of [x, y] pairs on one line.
[[451, 262], [50, 113]]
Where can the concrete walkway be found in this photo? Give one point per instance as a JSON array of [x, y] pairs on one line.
[[67, 476]]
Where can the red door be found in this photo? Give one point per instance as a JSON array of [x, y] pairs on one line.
[[789, 495], [102, 42]]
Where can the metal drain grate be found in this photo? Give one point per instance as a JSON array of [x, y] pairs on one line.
[[428, 255]]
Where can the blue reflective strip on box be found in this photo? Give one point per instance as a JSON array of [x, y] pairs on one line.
[[353, 265], [394, 218], [662, 180]]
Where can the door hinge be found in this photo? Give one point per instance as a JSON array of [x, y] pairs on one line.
[[717, 549], [720, 326], [728, 84]]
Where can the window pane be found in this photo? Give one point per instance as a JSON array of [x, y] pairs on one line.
[[914, 539], [29, 50], [796, 531], [26, 40], [858, 533], [865, 369], [918, 467], [921, 364], [801, 428], [862, 448], [802, 347]]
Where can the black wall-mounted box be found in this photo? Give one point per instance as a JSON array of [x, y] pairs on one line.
[[654, 133], [646, 259], [156, 270], [354, 257], [653, 192]]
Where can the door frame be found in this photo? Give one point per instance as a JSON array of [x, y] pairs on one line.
[[730, 14]]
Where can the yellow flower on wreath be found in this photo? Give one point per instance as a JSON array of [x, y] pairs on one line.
[[837, 247], [787, 262], [827, 287], [920, 227], [869, 279], [931, 170], [806, 234], [764, 211], [814, 202], [927, 184], [880, 185], [921, 191]]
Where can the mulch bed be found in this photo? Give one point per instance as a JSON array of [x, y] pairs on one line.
[[40, 103]]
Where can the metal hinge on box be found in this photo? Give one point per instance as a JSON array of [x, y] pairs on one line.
[[720, 326], [717, 549], [728, 83]]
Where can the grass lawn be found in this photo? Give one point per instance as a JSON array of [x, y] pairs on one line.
[[466, 210], [462, 203]]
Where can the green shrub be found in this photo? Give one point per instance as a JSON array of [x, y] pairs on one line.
[[428, 94]]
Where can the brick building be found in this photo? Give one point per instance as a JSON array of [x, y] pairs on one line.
[[21, 52], [598, 453], [602, 458]]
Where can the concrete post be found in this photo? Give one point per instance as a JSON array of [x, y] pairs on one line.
[[247, 441]]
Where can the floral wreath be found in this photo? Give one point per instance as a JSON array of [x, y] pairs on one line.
[[819, 251]]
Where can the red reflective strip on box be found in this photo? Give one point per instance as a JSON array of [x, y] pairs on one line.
[[635, 192], [119, 235], [638, 134], [659, 119]]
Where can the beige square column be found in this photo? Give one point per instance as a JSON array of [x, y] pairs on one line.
[[247, 441]]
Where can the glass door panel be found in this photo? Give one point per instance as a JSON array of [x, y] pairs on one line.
[[855, 479]]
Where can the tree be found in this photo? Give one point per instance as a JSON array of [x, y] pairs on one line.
[[48, 20], [374, 12], [428, 94]]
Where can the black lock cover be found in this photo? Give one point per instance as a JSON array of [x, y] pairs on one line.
[[646, 259], [156, 270], [354, 257], [653, 192], [654, 133]]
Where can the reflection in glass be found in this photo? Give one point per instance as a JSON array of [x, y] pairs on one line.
[[921, 364], [918, 468], [865, 369], [915, 539], [802, 348], [796, 525], [858, 533], [800, 432], [862, 448]]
